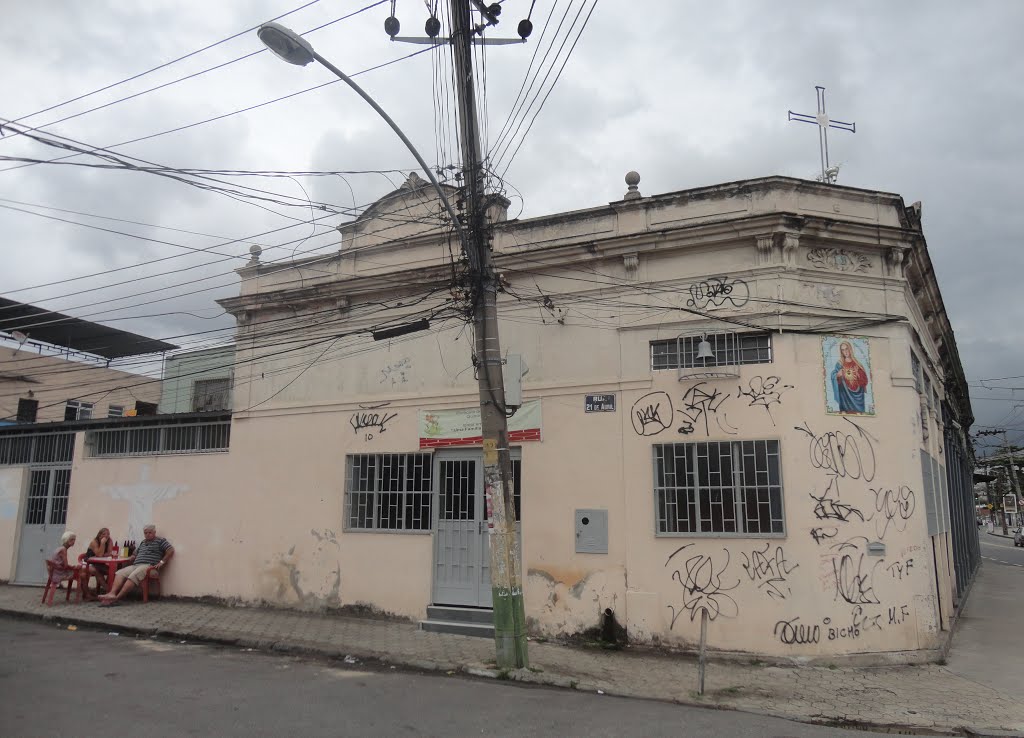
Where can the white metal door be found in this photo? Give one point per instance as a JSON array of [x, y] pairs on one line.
[[462, 574], [42, 525]]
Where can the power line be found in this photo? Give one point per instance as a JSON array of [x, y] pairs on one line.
[[186, 77], [304, 343], [548, 93], [160, 66]]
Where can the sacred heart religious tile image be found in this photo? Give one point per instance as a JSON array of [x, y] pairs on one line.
[[849, 389]]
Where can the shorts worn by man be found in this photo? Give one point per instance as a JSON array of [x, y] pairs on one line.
[[153, 551]]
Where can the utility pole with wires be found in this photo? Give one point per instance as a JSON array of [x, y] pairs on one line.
[[1013, 476], [1010, 462], [506, 561]]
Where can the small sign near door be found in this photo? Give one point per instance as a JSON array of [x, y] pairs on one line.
[[599, 404]]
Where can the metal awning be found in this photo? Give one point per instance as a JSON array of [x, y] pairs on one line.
[[74, 333]]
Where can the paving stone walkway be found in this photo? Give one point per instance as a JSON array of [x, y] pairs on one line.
[[928, 699]]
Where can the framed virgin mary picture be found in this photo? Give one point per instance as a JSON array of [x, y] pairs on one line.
[[849, 387]]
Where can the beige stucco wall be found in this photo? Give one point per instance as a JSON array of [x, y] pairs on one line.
[[53, 381], [264, 522], [12, 483]]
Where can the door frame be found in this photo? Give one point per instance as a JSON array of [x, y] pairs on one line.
[[474, 453], [52, 470]]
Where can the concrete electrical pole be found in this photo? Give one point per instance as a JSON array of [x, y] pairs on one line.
[[506, 562], [1013, 477]]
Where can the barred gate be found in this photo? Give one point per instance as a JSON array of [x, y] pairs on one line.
[[47, 457]]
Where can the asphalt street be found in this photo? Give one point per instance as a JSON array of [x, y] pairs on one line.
[[989, 637], [1001, 550], [87, 683]]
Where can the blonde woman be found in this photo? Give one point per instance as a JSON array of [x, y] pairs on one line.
[[60, 569], [99, 546]]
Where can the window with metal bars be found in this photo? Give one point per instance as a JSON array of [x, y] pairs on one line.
[[728, 350], [211, 394], [147, 440], [59, 504], [36, 448], [388, 492], [727, 487]]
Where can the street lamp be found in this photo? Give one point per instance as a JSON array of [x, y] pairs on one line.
[[506, 579], [294, 49]]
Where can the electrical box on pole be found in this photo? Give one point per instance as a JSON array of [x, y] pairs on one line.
[[514, 370]]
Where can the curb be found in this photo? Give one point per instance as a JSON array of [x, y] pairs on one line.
[[522, 676], [999, 535]]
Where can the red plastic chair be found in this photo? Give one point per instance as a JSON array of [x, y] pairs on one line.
[[152, 578], [51, 587], [86, 575]]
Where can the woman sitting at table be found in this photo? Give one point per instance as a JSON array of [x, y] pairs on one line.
[[60, 569], [100, 546]]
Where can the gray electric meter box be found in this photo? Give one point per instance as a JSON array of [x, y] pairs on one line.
[[592, 531]]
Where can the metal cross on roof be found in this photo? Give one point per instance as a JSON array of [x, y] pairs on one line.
[[828, 173]]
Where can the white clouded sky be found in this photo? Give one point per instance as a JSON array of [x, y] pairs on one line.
[[688, 93]]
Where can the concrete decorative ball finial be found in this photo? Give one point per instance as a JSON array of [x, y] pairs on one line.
[[632, 179]]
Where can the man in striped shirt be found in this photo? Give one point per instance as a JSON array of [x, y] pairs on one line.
[[153, 551]]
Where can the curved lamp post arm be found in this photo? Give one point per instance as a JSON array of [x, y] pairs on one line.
[[398, 131], [294, 49]]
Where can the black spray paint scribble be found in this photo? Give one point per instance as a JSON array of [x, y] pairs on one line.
[[842, 456], [700, 405], [700, 578], [829, 507], [652, 414], [862, 621], [793, 633], [893, 508], [764, 392], [717, 291], [823, 534], [372, 420], [770, 570], [896, 617], [900, 569], [854, 581]]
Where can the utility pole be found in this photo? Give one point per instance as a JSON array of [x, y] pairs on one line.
[[506, 562], [1013, 477], [1009, 460]]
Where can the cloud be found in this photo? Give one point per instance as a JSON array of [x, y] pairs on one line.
[[686, 93]]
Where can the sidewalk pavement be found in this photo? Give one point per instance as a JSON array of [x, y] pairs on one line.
[[930, 699]]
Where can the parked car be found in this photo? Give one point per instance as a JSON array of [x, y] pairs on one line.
[[1018, 536]]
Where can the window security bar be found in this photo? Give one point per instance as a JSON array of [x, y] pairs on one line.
[[36, 449], [153, 440]]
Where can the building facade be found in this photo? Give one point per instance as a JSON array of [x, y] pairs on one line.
[[198, 381], [741, 400]]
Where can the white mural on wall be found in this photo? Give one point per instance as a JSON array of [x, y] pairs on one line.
[[143, 495], [10, 493]]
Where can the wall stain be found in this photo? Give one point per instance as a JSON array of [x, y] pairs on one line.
[[574, 580], [573, 600], [311, 580]]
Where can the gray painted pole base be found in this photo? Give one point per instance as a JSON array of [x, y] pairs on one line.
[[509, 629]]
